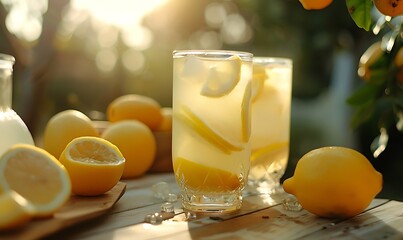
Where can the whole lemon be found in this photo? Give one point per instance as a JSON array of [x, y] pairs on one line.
[[166, 123], [137, 144], [135, 107], [64, 127], [334, 182]]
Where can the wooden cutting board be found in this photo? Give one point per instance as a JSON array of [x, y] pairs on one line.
[[76, 210]]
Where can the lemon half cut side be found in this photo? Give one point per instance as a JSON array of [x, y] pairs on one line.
[[37, 176], [95, 165], [15, 210]]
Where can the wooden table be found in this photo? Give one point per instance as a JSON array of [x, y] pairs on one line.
[[261, 217]]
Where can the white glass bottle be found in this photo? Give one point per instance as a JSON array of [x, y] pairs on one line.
[[12, 129]]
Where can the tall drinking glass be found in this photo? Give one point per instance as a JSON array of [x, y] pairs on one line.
[[271, 105], [211, 127]]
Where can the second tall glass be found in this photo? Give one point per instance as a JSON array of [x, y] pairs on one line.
[[211, 127], [271, 109]]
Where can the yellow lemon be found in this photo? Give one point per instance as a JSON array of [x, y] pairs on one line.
[[137, 144], [64, 127], [202, 178], [135, 107], [37, 176], [94, 164], [334, 182], [166, 123], [15, 210]]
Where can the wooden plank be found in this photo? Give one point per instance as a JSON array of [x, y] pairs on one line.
[[136, 203], [77, 209], [131, 209], [270, 222], [383, 222]]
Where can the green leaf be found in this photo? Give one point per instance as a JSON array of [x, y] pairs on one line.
[[363, 95], [378, 76], [360, 12], [362, 115]]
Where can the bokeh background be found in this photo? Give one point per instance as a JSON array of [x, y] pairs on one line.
[[82, 54]]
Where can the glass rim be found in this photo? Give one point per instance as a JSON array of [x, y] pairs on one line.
[[276, 60], [212, 53]]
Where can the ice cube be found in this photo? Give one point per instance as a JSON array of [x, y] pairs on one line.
[[171, 197], [190, 215], [161, 190], [154, 218], [291, 204], [194, 69], [167, 207]]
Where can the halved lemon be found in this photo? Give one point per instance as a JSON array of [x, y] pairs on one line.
[[37, 176], [222, 77], [94, 164], [199, 177], [15, 210], [203, 129], [272, 151]]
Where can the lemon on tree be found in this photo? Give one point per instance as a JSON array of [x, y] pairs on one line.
[[64, 127], [94, 164], [37, 176], [334, 182], [137, 144], [315, 4]]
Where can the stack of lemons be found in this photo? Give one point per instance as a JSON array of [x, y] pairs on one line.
[[78, 159]]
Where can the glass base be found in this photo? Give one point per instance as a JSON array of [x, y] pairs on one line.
[[266, 187], [212, 203]]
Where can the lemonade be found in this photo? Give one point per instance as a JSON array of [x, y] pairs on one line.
[[211, 127], [271, 104]]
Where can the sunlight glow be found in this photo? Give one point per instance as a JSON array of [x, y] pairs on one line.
[[24, 18], [111, 19], [121, 13]]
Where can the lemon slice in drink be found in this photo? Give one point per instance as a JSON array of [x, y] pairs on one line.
[[246, 113], [203, 129], [204, 178], [272, 151], [222, 77], [259, 76]]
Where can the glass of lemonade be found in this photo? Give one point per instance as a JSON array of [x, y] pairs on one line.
[[211, 127], [271, 109]]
